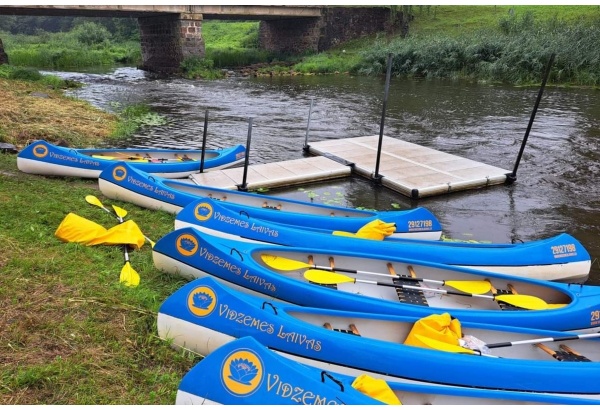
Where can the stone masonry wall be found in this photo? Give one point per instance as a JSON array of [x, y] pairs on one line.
[[343, 24], [337, 25], [167, 40], [192, 43], [291, 36]]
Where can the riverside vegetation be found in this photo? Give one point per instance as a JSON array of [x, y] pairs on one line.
[[509, 44], [71, 334]]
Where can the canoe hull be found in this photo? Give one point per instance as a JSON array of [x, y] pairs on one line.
[[193, 254], [274, 379], [560, 258], [203, 315], [127, 184], [245, 372], [43, 158]]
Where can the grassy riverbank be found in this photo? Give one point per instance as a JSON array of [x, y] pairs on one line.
[[509, 44], [71, 334]]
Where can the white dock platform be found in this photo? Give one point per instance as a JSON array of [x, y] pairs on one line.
[[275, 174], [404, 167], [411, 169]]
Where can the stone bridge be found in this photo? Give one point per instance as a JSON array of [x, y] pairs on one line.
[[169, 34]]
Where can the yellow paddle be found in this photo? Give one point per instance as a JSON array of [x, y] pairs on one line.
[[522, 301], [128, 275], [468, 286]]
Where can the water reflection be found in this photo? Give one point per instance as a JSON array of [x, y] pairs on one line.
[[557, 181]]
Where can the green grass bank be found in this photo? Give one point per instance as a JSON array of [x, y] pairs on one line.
[[71, 333]]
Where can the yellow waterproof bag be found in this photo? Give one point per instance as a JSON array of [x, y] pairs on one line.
[[375, 388], [75, 228], [438, 327]]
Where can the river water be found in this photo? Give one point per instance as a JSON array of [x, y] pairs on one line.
[[557, 188]]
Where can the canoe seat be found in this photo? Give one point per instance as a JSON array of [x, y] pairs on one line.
[[573, 355], [565, 354], [414, 297], [504, 305], [351, 329], [275, 208]]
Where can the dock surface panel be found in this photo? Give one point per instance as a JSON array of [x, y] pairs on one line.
[[411, 169], [276, 174]]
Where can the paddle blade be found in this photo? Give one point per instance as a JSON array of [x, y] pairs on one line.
[[91, 199], [280, 263], [129, 277], [121, 213], [325, 277], [523, 301], [478, 287]]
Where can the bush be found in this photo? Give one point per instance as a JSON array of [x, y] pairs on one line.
[[25, 74], [196, 67], [91, 33]]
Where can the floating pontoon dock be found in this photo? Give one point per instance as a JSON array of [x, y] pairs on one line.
[[407, 168], [404, 167], [411, 169], [277, 174]]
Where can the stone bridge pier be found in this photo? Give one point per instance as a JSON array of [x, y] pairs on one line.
[[167, 40]]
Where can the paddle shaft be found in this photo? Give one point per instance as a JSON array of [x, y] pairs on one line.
[[448, 292], [362, 272], [543, 339]]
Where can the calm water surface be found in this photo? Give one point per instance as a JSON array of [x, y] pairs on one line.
[[557, 188]]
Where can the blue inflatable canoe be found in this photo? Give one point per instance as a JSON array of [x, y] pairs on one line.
[[440, 349], [244, 372], [559, 258], [125, 183], [43, 158], [378, 284]]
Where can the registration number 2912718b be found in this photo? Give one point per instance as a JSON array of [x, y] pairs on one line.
[[422, 225]]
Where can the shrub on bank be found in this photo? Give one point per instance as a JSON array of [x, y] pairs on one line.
[[516, 53], [88, 45]]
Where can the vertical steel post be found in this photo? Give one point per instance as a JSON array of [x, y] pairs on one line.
[[243, 186], [305, 148], [376, 176], [510, 178], [204, 141]]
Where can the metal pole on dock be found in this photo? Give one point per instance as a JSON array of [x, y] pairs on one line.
[[243, 186], [376, 176], [204, 141], [305, 148], [510, 178]]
